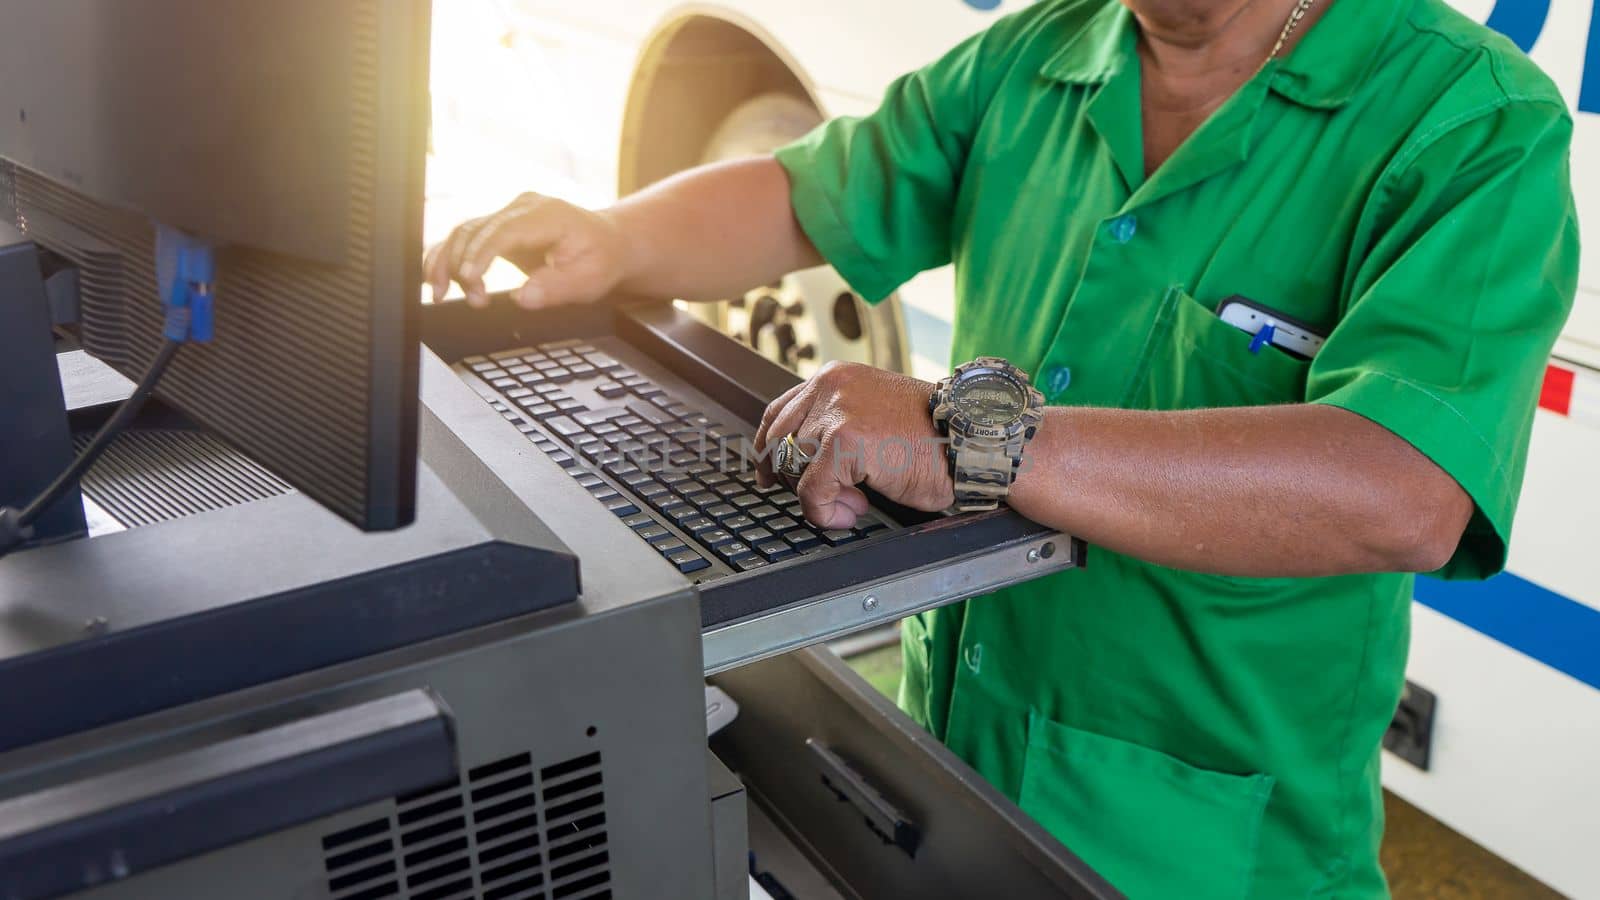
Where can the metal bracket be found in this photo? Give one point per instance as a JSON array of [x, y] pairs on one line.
[[887, 600]]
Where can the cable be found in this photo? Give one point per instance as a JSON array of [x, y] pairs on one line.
[[15, 525]]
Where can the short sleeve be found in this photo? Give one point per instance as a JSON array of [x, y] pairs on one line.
[[876, 194], [1467, 279]]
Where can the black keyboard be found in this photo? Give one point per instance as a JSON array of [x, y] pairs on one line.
[[683, 482]]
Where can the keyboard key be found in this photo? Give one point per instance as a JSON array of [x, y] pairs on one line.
[[598, 416], [783, 498], [581, 370], [747, 562], [563, 426], [503, 383], [714, 537], [680, 513], [564, 460], [518, 370], [794, 509], [532, 379], [699, 523], [514, 393], [728, 489], [802, 538], [588, 479], [648, 412], [570, 406], [668, 500], [747, 501], [565, 344], [763, 512], [731, 550], [635, 478], [652, 393], [776, 551], [651, 532], [781, 524], [738, 522], [548, 389], [601, 361], [756, 535], [632, 380], [525, 426], [638, 521], [839, 536], [673, 476], [703, 499], [680, 410], [688, 561], [545, 364], [543, 410], [653, 489], [720, 510], [610, 390], [621, 506], [668, 544], [558, 374]]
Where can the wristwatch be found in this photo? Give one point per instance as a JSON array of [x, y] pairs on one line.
[[988, 411]]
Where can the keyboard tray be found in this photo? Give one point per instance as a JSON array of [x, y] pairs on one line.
[[747, 616]]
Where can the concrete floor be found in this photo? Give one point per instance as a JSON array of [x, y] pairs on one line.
[[1424, 859]]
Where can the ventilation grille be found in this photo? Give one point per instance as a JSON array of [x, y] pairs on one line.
[[503, 832], [153, 475]]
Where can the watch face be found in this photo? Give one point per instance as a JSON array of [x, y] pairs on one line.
[[988, 398]]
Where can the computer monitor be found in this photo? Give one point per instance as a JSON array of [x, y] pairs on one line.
[[292, 134]]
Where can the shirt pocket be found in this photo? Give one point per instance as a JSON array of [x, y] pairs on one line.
[[1153, 825], [1195, 360]]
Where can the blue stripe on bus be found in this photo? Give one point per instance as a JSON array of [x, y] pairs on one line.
[[1555, 630]]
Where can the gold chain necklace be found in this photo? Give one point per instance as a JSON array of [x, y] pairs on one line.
[[1299, 13]]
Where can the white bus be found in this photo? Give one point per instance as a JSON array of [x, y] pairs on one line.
[[587, 99]]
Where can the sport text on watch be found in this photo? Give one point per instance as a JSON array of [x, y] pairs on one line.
[[988, 411]]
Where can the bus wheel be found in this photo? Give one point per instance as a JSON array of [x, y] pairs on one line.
[[809, 317]]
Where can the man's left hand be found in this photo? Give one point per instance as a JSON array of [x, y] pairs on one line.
[[861, 426]]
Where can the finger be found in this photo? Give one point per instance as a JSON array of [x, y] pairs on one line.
[[448, 256], [497, 233], [563, 278], [782, 416], [433, 274], [828, 491]]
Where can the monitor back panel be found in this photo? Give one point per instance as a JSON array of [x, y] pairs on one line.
[[295, 137]]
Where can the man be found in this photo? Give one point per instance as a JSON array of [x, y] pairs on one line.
[[1197, 713]]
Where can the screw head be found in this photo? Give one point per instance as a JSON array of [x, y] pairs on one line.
[[869, 603], [1033, 555]]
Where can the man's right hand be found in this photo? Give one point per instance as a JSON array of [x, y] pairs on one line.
[[570, 254]]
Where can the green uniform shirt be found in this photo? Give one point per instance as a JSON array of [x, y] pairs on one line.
[[1400, 182]]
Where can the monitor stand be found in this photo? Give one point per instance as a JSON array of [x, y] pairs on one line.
[[35, 438]]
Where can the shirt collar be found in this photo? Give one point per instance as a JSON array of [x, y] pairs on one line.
[[1326, 68]]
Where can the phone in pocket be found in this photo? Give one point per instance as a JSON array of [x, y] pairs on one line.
[[1268, 326]]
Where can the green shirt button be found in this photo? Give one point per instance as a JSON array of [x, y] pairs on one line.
[[1057, 379], [1122, 228]]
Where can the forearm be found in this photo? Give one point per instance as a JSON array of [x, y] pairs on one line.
[[713, 232], [1267, 492]]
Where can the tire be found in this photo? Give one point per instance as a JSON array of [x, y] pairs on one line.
[[813, 316]]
